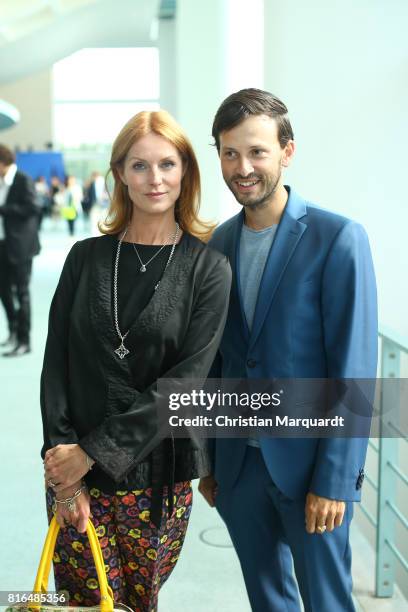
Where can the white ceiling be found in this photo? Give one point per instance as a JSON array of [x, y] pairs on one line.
[[34, 34]]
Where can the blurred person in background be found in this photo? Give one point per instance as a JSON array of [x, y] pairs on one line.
[[71, 203], [43, 196], [98, 210], [94, 201], [19, 220], [88, 200], [55, 186], [56, 199], [146, 300]]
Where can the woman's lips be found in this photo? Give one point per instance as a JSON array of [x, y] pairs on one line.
[[156, 194]]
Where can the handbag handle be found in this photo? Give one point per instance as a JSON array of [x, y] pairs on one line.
[[43, 572]]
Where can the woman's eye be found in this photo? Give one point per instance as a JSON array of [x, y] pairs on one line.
[[138, 166], [168, 164]]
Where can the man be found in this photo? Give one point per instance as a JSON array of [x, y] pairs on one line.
[[19, 219], [303, 305]]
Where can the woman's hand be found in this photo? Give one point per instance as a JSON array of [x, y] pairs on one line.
[[65, 465], [79, 517]]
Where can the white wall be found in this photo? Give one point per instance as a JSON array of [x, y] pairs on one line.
[[216, 54], [33, 98], [341, 68], [168, 68], [200, 70]]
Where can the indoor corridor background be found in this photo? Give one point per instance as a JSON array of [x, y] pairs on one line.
[[341, 68]]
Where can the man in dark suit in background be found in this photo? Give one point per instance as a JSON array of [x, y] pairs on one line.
[[19, 219]]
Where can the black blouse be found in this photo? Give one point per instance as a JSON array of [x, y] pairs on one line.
[[136, 288]]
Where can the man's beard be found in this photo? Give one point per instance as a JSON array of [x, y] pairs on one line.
[[270, 183]]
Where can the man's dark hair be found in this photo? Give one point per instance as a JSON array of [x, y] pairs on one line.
[[246, 103], [7, 156]]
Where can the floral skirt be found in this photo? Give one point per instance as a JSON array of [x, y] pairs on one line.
[[139, 557]]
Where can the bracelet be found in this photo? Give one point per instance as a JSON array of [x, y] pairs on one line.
[[70, 499], [69, 502]]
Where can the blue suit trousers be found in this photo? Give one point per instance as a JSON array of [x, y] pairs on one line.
[[268, 532]]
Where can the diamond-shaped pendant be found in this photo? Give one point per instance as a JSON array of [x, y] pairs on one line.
[[122, 351], [143, 268]]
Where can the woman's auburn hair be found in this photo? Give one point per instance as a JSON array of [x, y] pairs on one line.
[[188, 203]]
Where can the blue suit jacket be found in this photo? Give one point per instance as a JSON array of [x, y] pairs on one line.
[[315, 317]]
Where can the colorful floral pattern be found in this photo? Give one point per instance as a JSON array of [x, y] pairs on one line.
[[138, 557]]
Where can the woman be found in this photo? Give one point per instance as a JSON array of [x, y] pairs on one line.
[[146, 300]]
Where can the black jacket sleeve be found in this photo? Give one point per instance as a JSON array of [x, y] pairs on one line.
[[57, 427], [122, 440]]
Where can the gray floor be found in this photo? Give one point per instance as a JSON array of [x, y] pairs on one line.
[[207, 577]]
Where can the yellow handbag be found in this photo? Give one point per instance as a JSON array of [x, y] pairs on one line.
[[41, 582]]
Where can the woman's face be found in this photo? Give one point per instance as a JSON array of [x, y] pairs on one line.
[[152, 172]]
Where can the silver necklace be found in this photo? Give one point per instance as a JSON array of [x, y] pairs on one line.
[[144, 265], [122, 351]]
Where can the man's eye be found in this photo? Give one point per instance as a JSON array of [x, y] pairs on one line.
[[258, 152], [229, 154]]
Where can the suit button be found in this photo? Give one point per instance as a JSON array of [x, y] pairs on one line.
[[360, 480], [251, 363]]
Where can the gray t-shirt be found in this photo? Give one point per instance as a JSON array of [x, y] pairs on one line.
[[253, 252]]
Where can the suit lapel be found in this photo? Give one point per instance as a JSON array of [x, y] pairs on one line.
[[232, 245], [288, 234]]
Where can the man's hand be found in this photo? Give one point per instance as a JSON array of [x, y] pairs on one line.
[[322, 514], [64, 465], [208, 489]]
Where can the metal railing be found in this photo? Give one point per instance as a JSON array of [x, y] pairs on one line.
[[388, 554]]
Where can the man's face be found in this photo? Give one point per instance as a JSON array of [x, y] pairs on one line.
[[251, 160]]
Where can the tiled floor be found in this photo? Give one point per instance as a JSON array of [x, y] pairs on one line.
[[207, 577]]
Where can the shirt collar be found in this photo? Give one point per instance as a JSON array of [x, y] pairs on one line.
[[10, 174]]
